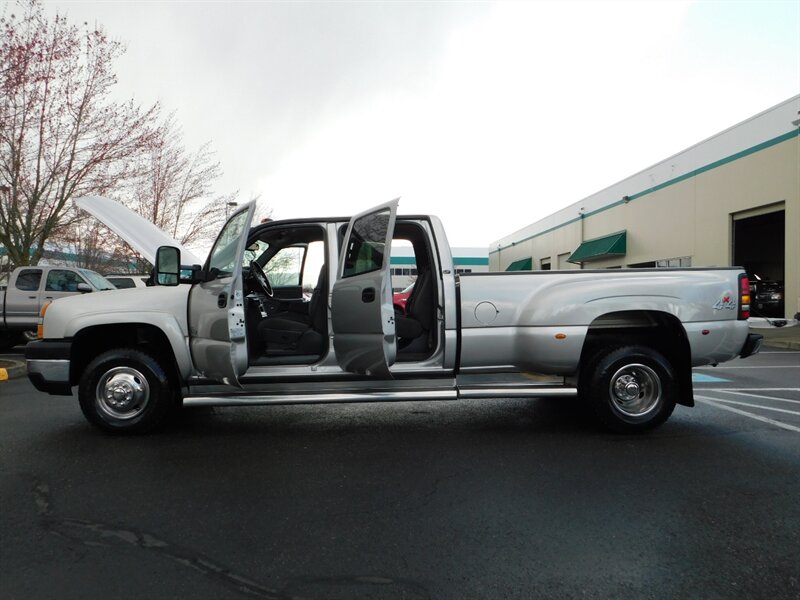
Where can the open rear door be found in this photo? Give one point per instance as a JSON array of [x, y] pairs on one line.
[[362, 313]]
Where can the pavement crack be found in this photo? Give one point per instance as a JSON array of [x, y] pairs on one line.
[[93, 535]]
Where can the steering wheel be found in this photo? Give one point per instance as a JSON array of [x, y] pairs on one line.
[[257, 273]]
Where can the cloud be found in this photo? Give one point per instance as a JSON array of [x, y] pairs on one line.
[[491, 115]]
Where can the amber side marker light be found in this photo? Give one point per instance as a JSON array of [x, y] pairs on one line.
[[40, 326], [561, 336]]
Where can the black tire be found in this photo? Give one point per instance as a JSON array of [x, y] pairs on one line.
[[127, 391], [7, 341], [630, 388], [16, 338]]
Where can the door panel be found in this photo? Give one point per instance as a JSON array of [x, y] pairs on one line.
[[361, 306], [216, 308], [22, 299]]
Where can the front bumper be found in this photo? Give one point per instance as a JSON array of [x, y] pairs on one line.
[[48, 364], [752, 345]]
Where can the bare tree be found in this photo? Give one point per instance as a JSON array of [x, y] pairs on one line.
[[176, 191], [61, 135]]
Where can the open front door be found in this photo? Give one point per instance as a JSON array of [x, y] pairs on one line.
[[216, 307], [362, 313]]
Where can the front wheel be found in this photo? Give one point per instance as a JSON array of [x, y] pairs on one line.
[[630, 388], [127, 391]]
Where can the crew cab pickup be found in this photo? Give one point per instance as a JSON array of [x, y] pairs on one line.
[[239, 330], [29, 288]]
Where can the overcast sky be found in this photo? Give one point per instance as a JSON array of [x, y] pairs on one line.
[[489, 115]]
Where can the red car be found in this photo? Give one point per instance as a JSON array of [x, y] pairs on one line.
[[400, 298]]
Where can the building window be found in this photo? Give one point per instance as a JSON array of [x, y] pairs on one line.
[[544, 264]]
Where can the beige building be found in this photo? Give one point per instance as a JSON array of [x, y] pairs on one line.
[[733, 199]]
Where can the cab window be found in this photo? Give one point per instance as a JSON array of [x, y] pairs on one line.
[[59, 280], [223, 255], [365, 252], [285, 267]]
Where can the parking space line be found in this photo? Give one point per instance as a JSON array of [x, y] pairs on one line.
[[759, 396], [761, 406], [762, 367], [744, 413], [760, 389], [703, 378]]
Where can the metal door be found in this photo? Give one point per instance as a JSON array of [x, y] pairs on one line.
[[361, 304], [218, 337]]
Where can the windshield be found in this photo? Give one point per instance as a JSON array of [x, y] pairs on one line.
[[97, 280]]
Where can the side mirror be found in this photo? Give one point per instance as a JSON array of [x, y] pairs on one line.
[[84, 288], [168, 266]]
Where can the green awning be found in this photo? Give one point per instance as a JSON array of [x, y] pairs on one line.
[[603, 247], [523, 264]]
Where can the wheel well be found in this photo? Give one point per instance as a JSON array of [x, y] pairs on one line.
[[93, 341], [658, 330]]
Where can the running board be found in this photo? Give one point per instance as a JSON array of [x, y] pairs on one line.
[[466, 393], [264, 399], [531, 391]]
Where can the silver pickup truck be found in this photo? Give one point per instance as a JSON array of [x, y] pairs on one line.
[[239, 329], [29, 288]]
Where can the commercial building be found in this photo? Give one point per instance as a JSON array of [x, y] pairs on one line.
[[733, 199], [404, 271]]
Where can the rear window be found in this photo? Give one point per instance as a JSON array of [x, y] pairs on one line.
[[29, 280]]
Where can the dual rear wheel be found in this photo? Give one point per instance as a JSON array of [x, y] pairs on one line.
[[630, 388]]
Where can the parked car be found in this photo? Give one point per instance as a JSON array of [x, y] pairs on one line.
[[623, 341], [768, 298], [29, 288], [399, 299], [126, 281]]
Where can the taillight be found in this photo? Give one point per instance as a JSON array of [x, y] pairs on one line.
[[744, 297]]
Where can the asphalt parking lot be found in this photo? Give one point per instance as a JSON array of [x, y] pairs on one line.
[[479, 499]]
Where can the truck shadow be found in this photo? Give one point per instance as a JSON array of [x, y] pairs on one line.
[[505, 415]]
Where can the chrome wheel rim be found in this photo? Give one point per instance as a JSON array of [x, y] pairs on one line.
[[635, 390], [122, 393]]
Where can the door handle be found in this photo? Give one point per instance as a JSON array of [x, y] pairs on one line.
[[368, 295], [222, 300], [31, 297]]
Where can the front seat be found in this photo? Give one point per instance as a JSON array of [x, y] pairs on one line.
[[291, 333]]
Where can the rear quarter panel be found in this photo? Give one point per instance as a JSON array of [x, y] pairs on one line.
[[514, 318]]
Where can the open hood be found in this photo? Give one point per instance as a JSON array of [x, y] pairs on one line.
[[141, 234]]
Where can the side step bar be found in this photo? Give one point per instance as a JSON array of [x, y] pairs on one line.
[[465, 393], [469, 393]]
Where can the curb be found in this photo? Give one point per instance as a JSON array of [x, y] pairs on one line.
[[11, 369]]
